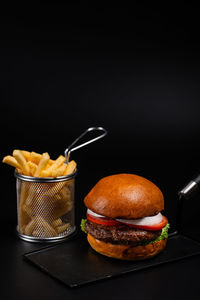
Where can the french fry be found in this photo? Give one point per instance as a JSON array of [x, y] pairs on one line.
[[33, 194], [57, 163], [22, 229], [71, 167], [65, 193], [49, 230], [45, 173], [57, 222], [21, 161], [36, 157], [39, 225], [19, 171], [32, 167], [62, 228], [27, 155], [53, 191], [30, 227], [23, 216], [53, 207], [24, 219], [36, 232], [42, 164], [60, 171], [28, 210], [10, 160], [30, 197], [48, 165], [57, 197], [61, 207]]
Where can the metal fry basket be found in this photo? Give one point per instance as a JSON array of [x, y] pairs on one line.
[[45, 207]]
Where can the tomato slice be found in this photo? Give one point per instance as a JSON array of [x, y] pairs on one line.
[[155, 227], [110, 222], [102, 221]]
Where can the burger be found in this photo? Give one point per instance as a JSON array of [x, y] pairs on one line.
[[124, 219]]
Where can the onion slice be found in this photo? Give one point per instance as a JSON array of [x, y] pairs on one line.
[[90, 212], [147, 221]]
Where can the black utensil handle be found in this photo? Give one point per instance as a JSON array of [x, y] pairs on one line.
[[191, 189]]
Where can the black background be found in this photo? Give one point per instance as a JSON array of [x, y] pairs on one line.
[[133, 71]]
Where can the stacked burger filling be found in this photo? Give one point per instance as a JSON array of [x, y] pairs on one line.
[[126, 232]]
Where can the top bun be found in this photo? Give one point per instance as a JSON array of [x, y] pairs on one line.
[[125, 196]]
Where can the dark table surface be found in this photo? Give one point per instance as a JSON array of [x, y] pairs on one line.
[[24, 281]]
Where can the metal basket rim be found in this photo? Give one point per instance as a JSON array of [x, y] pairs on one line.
[[45, 179]]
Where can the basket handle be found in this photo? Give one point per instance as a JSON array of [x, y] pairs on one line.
[[71, 147]]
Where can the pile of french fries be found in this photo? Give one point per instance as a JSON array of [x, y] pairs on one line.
[[42, 207], [39, 165]]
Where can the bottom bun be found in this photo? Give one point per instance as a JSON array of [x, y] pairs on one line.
[[126, 252]]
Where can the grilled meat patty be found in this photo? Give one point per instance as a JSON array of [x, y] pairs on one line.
[[121, 234]]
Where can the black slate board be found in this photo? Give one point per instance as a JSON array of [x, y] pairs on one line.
[[75, 263]]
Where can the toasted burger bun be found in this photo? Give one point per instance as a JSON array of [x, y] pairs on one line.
[[126, 252], [125, 196]]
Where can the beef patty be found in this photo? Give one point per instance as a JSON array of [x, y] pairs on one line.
[[121, 234]]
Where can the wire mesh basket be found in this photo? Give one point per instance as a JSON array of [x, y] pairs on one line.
[[45, 207]]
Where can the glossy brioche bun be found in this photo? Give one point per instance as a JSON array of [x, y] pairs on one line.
[[126, 252], [125, 196]]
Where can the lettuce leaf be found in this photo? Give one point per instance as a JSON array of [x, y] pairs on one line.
[[164, 234], [83, 221]]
